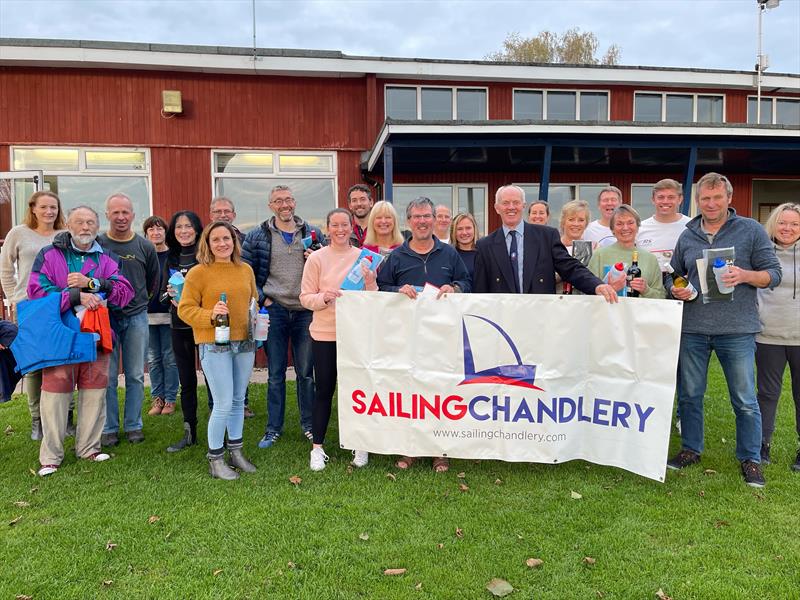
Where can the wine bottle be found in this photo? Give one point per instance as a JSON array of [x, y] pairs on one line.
[[634, 272], [222, 326]]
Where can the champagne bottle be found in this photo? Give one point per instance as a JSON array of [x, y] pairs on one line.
[[634, 272], [315, 243], [222, 326], [679, 281]]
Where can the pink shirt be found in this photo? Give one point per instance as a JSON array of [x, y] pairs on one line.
[[325, 270]]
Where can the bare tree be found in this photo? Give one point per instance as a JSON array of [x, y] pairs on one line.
[[573, 46]]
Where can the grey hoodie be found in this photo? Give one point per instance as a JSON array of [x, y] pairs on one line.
[[754, 252], [779, 308]]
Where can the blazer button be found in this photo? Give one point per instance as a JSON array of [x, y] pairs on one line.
[[541, 280], [497, 280]]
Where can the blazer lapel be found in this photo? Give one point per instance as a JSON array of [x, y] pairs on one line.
[[530, 257], [501, 256]]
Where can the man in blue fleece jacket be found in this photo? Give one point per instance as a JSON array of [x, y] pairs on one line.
[[727, 328]]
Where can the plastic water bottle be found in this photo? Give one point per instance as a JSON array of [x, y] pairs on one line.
[[262, 325], [614, 273], [720, 267]]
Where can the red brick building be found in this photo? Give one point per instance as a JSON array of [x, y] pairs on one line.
[[88, 119]]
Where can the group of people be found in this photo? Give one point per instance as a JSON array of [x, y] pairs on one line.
[[175, 282]]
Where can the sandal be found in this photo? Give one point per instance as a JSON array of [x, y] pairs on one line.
[[441, 464], [405, 462]]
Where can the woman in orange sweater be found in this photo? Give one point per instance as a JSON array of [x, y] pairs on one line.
[[221, 284], [323, 275]]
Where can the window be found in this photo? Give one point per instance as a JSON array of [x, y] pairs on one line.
[[469, 198], [558, 105], [88, 176], [247, 177], [436, 103], [774, 111], [678, 108], [561, 193]]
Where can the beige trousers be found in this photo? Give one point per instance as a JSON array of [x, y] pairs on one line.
[[91, 419]]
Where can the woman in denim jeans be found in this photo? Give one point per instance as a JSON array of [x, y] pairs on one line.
[[220, 270]]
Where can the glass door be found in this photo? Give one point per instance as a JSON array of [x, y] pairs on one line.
[[15, 189]]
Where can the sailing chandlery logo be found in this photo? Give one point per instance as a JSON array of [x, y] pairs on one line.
[[519, 375]]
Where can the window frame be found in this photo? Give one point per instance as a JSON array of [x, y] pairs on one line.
[[773, 108], [693, 95], [453, 197], [577, 93], [82, 170], [453, 100]]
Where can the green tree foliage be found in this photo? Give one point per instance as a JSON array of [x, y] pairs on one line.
[[572, 47]]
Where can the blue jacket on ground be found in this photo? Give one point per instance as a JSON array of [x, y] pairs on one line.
[[441, 266], [257, 249], [48, 338], [754, 252]]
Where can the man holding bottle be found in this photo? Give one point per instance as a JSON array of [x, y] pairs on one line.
[[728, 328], [276, 252]]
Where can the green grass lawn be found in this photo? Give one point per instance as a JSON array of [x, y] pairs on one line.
[[175, 533]]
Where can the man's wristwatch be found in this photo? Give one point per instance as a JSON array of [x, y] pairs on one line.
[[94, 284]]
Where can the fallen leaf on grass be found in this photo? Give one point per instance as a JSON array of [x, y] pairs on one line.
[[499, 587], [721, 523], [534, 562], [363, 536], [216, 572], [440, 546], [661, 595], [9, 430], [13, 522], [461, 475], [418, 586], [32, 472], [34, 490], [575, 495], [291, 565], [709, 472], [110, 545], [463, 487], [459, 532], [394, 572], [349, 469], [23, 597], [153, 519], [778, 557], [108, 582], [600, 594], [702, 494], [22, 504], [391, 476], [498, 482], [296, 480], [588, 560]]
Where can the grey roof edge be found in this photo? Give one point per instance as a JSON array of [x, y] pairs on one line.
[[333, 54], [642, 124]]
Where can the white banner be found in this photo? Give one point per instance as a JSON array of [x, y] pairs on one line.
[[528, 378]]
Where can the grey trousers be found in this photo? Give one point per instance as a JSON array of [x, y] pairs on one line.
[[91, 419], [771, 362]]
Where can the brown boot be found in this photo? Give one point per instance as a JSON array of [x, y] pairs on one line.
[[158, 406], [169, 408]]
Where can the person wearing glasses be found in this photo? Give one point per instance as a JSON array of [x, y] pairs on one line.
[[276, 252]]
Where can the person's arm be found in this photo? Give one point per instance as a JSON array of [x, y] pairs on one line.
[[311, 296], [461, 279], [251, 256], [480, 277], [190, 308], [655, 285], [118, 289], [570, 268], [8, 259]]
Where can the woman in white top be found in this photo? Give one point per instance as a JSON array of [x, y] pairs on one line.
[[43, 220]]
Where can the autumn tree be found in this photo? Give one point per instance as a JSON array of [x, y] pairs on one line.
[[573, 47]]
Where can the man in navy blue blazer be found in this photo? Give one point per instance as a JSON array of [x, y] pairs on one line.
[[522, 258]]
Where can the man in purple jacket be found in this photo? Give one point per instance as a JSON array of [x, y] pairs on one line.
[[76, 267]]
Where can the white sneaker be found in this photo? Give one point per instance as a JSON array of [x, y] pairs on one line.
[[360, 458], [98, 457], [318, 459], [47, 470]]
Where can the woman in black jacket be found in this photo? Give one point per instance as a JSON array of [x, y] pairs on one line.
[[182, 235]]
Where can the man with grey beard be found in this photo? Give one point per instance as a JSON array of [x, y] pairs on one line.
[[77, 268]]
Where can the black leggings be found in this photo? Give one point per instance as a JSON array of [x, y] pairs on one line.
[[770, 365], [325, 381], [183, 347]]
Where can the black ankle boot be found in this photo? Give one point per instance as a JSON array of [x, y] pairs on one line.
[[188, 439]]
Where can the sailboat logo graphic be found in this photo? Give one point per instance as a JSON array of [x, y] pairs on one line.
[[519, 374]]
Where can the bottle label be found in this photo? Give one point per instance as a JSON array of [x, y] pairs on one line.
[[222, 335]]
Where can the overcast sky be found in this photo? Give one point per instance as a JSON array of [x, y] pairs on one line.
[[677, 33]]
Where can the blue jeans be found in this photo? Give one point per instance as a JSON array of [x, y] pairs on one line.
[[131, 334], [161, 361], [736, 354], [227, 372], [289, 326]]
